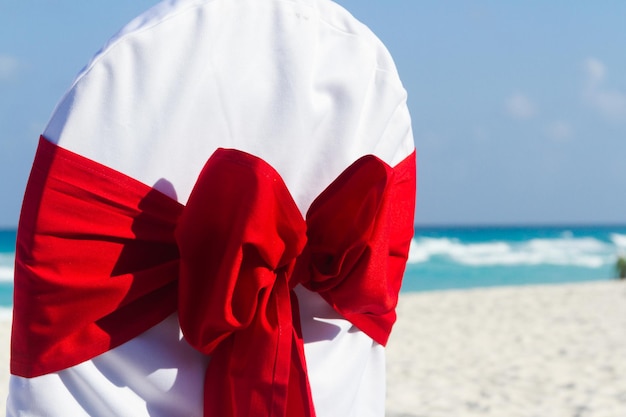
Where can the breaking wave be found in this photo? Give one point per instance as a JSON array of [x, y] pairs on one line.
[[585, 252], [6, 267]]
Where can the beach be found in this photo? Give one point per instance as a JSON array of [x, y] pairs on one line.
[[5, 338], [530, 351], [527, 351]]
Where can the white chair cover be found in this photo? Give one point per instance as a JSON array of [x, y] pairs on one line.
[[298, 83]]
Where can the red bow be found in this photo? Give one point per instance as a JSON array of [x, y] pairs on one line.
[[242, 246]]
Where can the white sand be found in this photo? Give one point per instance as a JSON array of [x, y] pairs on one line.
[[5, 339], [541, 351]]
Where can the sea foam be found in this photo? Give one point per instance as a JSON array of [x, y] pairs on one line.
[[565, 251], [619, 241], [6, 267], [6, 274]]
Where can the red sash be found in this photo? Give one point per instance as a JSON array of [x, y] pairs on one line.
[[101, 258]]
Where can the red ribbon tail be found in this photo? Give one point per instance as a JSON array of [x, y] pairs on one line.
[[300, 400]]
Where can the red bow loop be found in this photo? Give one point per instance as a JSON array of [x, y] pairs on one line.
[[357, 242], [341, 221]]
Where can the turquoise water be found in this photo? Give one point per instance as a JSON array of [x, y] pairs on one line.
[[468, 257]]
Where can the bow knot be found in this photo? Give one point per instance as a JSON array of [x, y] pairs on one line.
[[244, 244]]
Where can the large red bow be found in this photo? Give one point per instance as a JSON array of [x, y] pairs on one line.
[[239, 247]]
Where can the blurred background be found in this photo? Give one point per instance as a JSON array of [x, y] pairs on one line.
[[519, 117], [519, 107]]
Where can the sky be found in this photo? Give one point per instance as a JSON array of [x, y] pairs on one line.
[[518, 107]]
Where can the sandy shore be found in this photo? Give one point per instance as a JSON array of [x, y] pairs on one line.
[[541, 351], [5, 339]]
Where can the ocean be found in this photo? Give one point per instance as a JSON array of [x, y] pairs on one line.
[[469, 257]]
